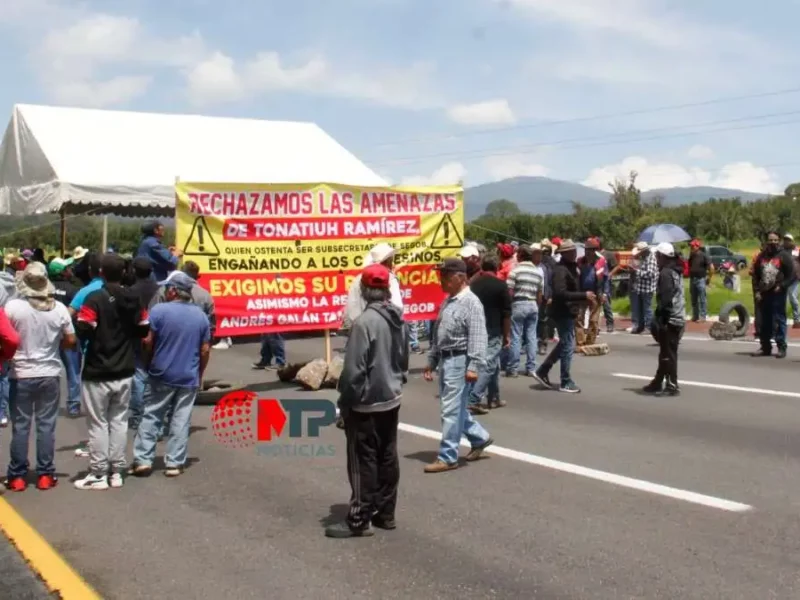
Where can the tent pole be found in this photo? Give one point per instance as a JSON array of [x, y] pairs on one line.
[[63, 223], [104, 242]]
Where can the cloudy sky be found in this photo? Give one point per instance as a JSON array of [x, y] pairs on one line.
[[700, 92]]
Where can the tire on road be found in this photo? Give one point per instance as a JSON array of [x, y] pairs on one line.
[[734, 306], [214, 389]]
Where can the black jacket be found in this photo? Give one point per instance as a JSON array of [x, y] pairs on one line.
[[772, 273], [567, 294], [670, 302], [111, 322], [376, 358]]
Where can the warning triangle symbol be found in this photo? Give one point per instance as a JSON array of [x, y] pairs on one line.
[[446, 236], [200, 242]]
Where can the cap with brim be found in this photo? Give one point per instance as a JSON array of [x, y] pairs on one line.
[[452, 265], [378, 254], [79, 252], [58, 265], [788, 236], [665, 249], [469, 251], [376, 276], [179, 280]]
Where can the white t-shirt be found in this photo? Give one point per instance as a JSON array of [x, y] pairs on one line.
[[40, 334]]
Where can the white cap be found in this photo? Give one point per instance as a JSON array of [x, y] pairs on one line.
[[665, 249], [788, 236], [378, 254], [469, 251], [536, 247]]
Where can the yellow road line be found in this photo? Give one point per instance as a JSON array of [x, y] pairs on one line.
[[57, 575]]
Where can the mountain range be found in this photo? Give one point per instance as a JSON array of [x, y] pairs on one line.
[[544, 195]]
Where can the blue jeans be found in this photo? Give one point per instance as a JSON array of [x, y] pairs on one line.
[[4, 413], [272, 346], [773, 321], [697, 291], [136, 408], [456, 419], [35, 398], [563, 350], [641, 311], [413, 334], [524, 317], [158, 399], [489, 378], [72, 365], [793, 301]]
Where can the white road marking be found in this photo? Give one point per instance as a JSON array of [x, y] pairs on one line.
[[620, 480], [716, 386]]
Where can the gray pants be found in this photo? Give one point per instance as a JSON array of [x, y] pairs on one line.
[[107, 420]]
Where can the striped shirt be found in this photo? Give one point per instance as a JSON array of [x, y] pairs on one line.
[[461, 327], [526, 282]]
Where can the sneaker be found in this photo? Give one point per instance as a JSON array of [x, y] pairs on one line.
[[669, 391], [261, 365], [497, 403], [387, 523], [569, 388], [223, 344], [477, 451], [610, 328], [439, 466], [543, 379], [17, 484], [4, 422], [116, 481], [781, 353], [140, 470], [343, 530], [82, 452], [478, 409], [172, 471], [652, 388], [74, 412], [46, 482], [92, 482]]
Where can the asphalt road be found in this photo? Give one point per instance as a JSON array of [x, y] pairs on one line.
[[607, 494]]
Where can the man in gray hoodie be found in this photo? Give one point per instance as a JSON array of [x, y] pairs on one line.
[[370, 388]]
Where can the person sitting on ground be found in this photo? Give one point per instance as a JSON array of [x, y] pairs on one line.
[[178, 349], [110, 322], [44, 327]]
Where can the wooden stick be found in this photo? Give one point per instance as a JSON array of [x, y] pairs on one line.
[[328, 350]]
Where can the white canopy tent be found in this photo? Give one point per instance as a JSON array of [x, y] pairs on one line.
[[71, 160]]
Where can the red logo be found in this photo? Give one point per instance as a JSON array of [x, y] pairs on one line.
[[230, 419]]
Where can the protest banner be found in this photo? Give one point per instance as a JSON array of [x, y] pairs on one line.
[[279, 258]]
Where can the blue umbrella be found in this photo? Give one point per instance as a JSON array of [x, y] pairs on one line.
[[666, 232]]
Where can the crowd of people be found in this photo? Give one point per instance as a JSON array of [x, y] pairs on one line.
[[495, 304], [133, 336]]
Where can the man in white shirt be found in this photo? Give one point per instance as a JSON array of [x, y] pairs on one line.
[[44, 327], [380, 254]]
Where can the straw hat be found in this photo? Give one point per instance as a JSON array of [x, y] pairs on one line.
[[34, 285], [378, 254]]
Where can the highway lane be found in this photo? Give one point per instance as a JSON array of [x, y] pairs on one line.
[[242, 525]]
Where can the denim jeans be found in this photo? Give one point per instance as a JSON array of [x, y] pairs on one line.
[[793, 301], [137, 396], [272, 346], [158, 399], [697, 291], [641, 311], [773, 321], [34, 398], [563, 350], [524, 317], [456, 419], [413, 335], [4, 383], [489, 377], [72, 365]]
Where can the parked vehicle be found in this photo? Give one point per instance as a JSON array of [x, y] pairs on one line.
[[721, 254]]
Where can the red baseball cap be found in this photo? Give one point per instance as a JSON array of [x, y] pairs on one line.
[[556, 241], [695, 243], [376, 276]]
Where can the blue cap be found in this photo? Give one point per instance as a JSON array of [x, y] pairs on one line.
[[179, 280]]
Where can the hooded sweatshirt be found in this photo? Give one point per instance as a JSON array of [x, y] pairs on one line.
[[8, 289], [670, 303], [376, 357]]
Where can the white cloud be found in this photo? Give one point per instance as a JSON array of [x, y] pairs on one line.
[[741, 175], [491, 112], [219, 78], [448, 174], [98, 94], [700, 152], [505, 167]]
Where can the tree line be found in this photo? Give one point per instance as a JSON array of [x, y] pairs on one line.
[[720, 220]]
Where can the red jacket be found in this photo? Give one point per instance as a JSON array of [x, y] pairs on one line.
[[9, 338]]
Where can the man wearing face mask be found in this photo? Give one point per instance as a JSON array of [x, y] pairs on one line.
[[772, 272]]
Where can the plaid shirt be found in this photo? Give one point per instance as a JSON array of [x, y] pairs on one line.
[[646, 280], [461, 327]]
